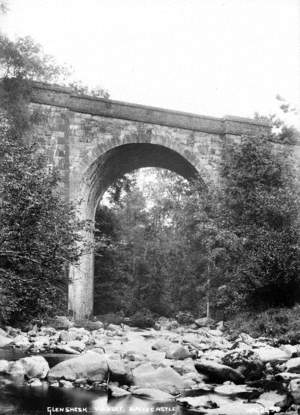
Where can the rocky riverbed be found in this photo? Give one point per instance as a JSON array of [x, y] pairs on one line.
[[196, 368]]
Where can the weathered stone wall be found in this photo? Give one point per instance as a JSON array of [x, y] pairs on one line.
[[95, 141]]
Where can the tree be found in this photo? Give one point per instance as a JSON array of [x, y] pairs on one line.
[[38, 233], [38, 229], [261, 205]]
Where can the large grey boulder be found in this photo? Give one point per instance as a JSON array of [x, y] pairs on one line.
[[292, 365], [272, 354], [90, 365], [35, 367], [164, 378], [118, 371], [218, 373], [61, 323]]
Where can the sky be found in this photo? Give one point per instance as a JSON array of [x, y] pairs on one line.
[[210, 57]]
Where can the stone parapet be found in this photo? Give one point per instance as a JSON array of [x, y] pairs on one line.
[[64, 97]]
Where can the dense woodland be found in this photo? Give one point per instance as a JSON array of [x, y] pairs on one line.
[[168, 247]]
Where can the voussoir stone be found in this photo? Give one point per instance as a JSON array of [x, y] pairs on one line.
[[90, 365]]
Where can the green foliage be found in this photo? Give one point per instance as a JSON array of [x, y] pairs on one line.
[[280, 323], [261, 205], [37, 234], [217, 249], [24, 59], [38, 229]]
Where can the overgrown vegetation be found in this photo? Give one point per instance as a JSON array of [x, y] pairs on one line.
[[218, 249], [225, 248], [38, 229], [283, 324]]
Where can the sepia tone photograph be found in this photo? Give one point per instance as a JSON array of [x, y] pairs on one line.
[[150, 207]]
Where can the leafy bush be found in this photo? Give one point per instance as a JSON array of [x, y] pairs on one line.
[[280, 323]]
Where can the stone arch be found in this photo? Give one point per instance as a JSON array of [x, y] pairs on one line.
[[104, 169]]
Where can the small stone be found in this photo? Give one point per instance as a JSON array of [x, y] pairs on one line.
[[35, 382], [116, 392], [177, 352], [65, 384]]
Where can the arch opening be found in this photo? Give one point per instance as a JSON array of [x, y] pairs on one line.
[[126, 158], [102, 173]]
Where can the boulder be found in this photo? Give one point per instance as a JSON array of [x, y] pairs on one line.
[[2, 332], [292, 365], [164, 379], [294, 389], [294, 351], [65, 384], [218, 373], [272, 354], [16, 371], [64, 348], [76, 345], [286, 376], [178, 352], [35, 367], [90, 365], [273, 401], [22, 341], [4, 364], [5, 341], [34, 382], [61, 323], [246, 362], [153, 394], [161, 345], [240, 391], [118, 372], [116, 392], [204, 322]]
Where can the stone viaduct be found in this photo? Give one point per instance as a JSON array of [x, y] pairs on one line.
[[95, 141]]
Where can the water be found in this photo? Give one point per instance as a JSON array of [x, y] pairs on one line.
[[26, 400], [49, 400]]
